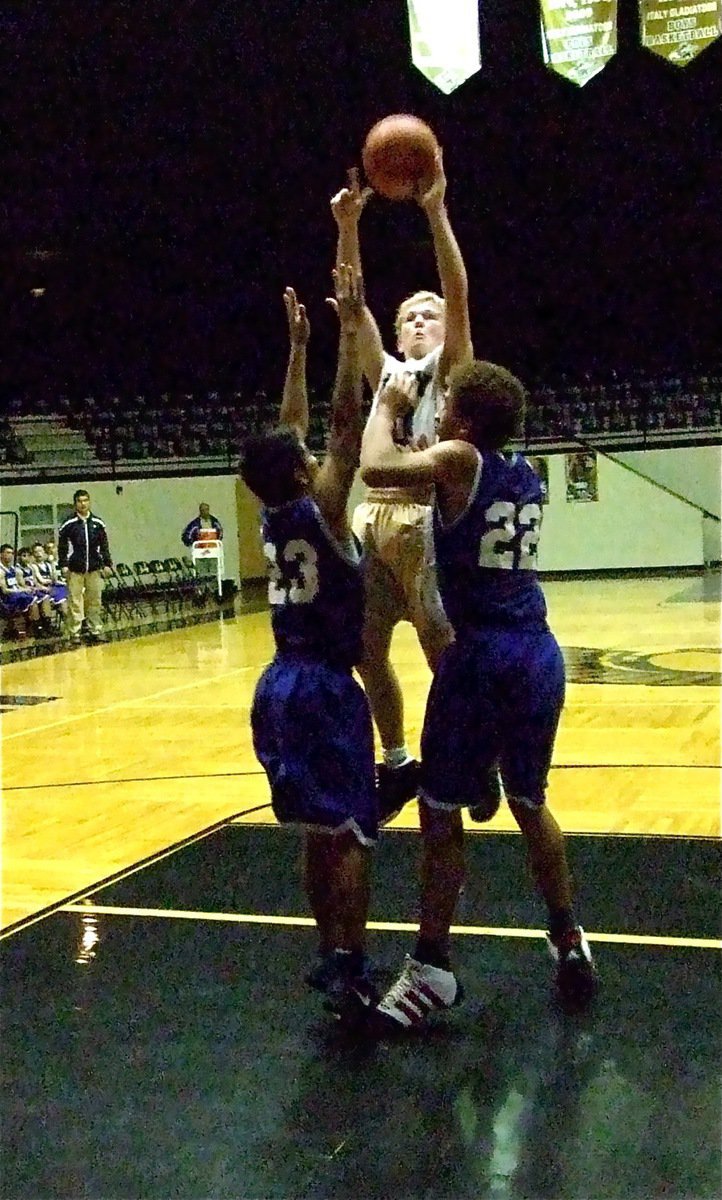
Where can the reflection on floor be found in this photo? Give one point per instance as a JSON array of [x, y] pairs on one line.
[[181, 1056]]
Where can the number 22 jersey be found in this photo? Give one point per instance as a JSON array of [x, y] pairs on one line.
[[315, 588], [486, 558]]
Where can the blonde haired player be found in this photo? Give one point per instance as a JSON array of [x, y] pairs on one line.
[[394, 523]]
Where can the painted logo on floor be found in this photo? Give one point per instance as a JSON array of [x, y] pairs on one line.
[[676, 667], [8, 703]]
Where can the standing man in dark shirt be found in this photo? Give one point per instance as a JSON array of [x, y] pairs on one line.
[[85, 560]]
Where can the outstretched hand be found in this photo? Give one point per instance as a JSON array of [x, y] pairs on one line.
[[430, 190], [349, 301], [299, 329], [348, 204]]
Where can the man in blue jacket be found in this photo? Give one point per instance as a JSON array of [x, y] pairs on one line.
[[204, 521], [84, 558]]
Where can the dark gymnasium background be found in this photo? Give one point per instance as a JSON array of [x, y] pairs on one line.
[[167, 168]]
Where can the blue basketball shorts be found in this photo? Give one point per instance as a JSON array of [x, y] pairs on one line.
[[313, 735], [497, 696]]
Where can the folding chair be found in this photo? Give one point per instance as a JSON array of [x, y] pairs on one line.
[[128, 595], [163, 583], [180, 584], [112, 596], [200, 590], [146, 584]]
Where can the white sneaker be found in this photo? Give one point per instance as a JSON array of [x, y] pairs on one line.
[[418, 990]]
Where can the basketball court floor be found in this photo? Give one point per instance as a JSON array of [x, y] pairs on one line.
[[158, 1040]]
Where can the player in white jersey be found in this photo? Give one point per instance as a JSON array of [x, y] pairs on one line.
[[394, 524]]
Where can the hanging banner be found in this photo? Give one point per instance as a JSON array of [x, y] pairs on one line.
[[445, 41], [678, 31], [578, 38]]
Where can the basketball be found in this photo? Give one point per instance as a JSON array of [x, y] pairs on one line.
[[399, 151]]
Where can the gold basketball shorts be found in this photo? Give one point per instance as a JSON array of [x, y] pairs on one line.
[[399, 568]]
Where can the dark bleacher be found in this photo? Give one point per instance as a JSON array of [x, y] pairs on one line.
[[212, 425], [12, 448], [185, 425], [638, 409]]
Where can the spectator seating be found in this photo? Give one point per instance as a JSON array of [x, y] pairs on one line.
[[125, 429], [639, 406], [12, 447]]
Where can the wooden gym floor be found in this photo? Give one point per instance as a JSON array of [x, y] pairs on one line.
[[158, 1040]]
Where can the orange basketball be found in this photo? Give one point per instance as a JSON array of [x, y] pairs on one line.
[[399, 151]]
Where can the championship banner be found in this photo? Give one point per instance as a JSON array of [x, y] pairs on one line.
[[578, 38], [678, 31], [445, 41]]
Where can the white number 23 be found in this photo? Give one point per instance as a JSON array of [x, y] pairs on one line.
[[298, 582]]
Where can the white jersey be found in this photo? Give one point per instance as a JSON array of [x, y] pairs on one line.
[[422, 423], [428, 407]]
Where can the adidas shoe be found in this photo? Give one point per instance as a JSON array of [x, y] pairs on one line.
[[576, 976], [419, 990], [488, 804], [395, 786]]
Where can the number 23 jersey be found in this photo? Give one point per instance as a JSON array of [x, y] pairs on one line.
[[315, 588], [486, 559]]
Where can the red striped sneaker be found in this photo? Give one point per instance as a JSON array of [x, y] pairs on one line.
[[418, 990]]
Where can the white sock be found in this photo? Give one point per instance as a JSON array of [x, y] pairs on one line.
[[397, 756]]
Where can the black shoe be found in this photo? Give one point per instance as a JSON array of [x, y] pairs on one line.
[[96, 639], [331, 966], [576, 976], [488, 804], [324, 971], [351, 997], [395, 786]]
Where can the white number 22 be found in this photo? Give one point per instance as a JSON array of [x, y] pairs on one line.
[[513, 540], [299, 583]]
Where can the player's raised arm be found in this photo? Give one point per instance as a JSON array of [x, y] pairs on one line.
[[333, 482], [294, 404], [347, 206], [431, 196]]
